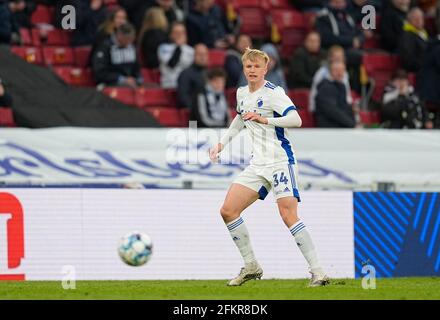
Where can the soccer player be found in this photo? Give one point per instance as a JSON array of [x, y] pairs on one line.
[[265, 110]]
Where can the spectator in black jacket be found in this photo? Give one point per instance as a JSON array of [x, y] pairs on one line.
[[115, 62], [402, 108], [114, 19], [207, 24], [309, 5], [210, 108], [429, 79], [9, 28], [337, 27], [193, 79], [233, 64], [23, 17], [90, 14], [414, 41], [306, 61], [391, 23], [154, 32], [332, 109], [5, 97]]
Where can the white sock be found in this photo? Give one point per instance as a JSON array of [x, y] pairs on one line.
[[240, 235], [305, 244]]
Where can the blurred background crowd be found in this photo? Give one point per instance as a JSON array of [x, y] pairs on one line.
[[181, 60]]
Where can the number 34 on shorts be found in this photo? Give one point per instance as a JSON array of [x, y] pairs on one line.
[[281, 178]]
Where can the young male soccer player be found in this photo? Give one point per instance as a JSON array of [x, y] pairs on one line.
[[265, 110]]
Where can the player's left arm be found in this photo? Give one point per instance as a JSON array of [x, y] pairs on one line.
[[285, 114]]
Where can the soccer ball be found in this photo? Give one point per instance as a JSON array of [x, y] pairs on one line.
[[135, 248]]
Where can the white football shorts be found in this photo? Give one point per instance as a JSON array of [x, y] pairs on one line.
[[282, 178]]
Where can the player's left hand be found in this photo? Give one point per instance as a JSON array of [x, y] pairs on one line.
[[253, 116]]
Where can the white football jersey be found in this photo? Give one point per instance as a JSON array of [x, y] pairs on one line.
[[271, 145]]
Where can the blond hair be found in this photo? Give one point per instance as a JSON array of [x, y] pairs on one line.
[[254, 54], [154, 19]]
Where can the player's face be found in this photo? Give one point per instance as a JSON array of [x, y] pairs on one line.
[[255, 70]]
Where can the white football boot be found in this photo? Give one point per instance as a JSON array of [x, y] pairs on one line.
[[252, 271], [319, 280]]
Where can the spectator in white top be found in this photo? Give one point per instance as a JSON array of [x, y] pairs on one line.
[[174, 57], [335, 54]]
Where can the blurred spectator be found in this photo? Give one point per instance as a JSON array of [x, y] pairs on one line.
[[172, 12], [402, 107], [9, 27], [428, 7], [309, 5], [332, 109], [114, 19], [5, 97], [154, 32], [429, 79], [193, 79], [306, 61], [275, 72], [114, 61], [136, 10], [210, 108], [335, 54], [391, 23], [337, 27], [90, 14], [233, 64], [413, 41], [207, 24], [23, 17], [437, 19], [174, 57]]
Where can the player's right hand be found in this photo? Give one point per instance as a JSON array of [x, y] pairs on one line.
[[213, 152]]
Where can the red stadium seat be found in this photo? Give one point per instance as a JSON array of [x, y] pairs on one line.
[[292, 29], [58, 56], [75, 76], [372, 43], [151, 76], [380, 67], [170, 117], [253, 17], [30, 54], [155, 97], [370, 117], [184, 114], [42, 14], [276, 4], [217, 58], [52, 37], [231, 97], [6, 117], [124, 95], [300, 97], [82, 56], [25, 36], [308, 120]]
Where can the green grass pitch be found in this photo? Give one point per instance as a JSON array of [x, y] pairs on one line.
[[390, 288]]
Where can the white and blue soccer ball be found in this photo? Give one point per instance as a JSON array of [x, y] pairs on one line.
[[135, 248]]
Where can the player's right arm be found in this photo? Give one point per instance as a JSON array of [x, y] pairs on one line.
[[236, 126]]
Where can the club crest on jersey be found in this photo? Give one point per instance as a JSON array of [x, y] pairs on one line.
[[259, 102]]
